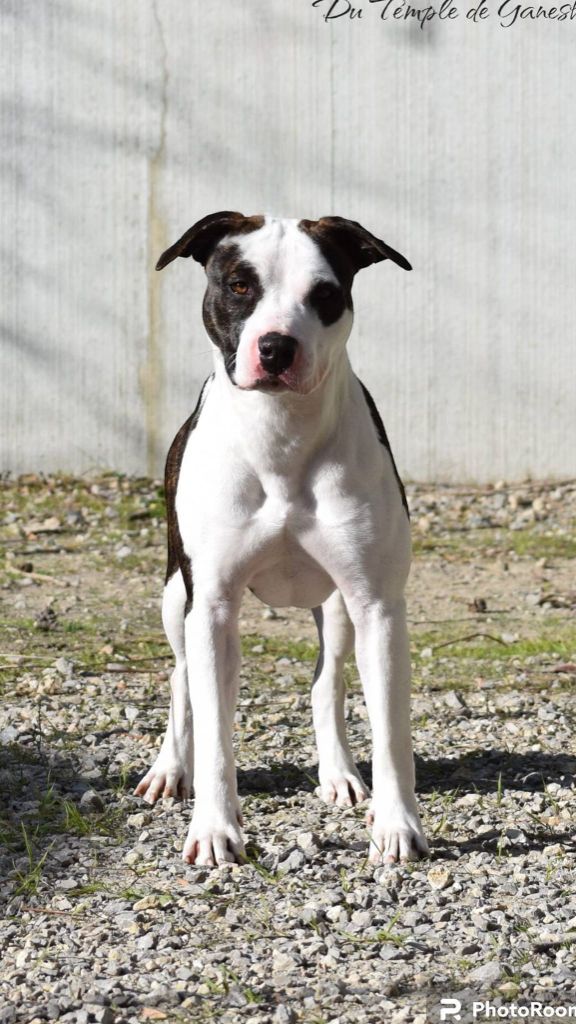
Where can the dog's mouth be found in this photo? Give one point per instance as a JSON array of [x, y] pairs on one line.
[[268, 382], [271, 384], [286, 383]]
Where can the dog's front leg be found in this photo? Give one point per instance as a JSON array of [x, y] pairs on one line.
[[213, 656], [339, 780], [383, 659]]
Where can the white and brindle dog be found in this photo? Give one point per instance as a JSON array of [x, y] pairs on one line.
[[283, 481]]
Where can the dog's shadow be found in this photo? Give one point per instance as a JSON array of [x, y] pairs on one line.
[[478, 771], [489, 772]]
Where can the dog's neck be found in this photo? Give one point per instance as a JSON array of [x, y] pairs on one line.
[[280, 433]]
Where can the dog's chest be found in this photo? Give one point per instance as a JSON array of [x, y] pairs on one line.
[[256, 533], [289, 525], [286, 569]]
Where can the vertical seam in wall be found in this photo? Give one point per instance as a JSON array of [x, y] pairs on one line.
[[332, 123], [153, 375]]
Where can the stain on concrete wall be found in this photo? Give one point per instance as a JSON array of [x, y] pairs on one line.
[[152, 374]]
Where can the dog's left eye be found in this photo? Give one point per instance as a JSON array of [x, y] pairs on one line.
[[323, 291], [239, 287]]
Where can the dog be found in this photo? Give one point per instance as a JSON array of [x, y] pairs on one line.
[[282, 480]]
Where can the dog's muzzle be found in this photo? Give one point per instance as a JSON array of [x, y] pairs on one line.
[[277, 352]]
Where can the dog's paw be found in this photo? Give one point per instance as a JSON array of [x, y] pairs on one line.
[[214, 842], [167, 777], [342, 787], [397, 836]]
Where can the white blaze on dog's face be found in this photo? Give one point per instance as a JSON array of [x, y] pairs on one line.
[[303, 313], [278, 303]]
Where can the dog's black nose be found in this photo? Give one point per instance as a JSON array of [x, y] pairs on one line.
[[277, 352]]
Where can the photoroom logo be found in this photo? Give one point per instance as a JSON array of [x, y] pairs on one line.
[[486, 1010], [450, 1008]]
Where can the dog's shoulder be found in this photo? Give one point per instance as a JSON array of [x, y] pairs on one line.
[[171, 478], [178, 446], [383, 438]]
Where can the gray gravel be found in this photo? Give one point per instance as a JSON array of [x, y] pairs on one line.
[[101, 921]]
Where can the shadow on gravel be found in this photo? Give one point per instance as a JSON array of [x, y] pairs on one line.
[[28, 772], [41, 801], [281, 778], [478, 771], [37, 775], [491, 842], [489, 771]]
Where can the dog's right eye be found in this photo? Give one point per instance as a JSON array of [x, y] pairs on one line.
[[325, 290], [239, 287], [325, 293], [328, 300]]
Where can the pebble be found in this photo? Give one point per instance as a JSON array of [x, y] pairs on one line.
[[66, 884], [100, 1014], [138, 820], [284, 963], [133, 857], [309, 842], [481, 921], [91, 801], [283, 1015], [439, 877], [455, 701], [487, 974], [64, 667], [294, 861]]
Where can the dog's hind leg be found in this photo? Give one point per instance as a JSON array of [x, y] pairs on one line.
[[171, 773], [340, 782]]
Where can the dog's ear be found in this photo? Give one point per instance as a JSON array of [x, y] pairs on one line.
[[359, 245], [199, 241]]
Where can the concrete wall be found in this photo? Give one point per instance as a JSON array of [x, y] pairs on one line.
[[125, 122]]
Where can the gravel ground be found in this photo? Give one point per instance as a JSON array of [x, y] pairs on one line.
[[100, 919]]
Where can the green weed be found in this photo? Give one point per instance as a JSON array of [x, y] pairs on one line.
[[299, 650], [29, 880]]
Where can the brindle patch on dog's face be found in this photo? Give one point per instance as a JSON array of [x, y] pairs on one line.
[[341, 265], [233, 291], [329, 301]]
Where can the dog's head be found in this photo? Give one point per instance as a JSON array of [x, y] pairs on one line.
[[278, 305]]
